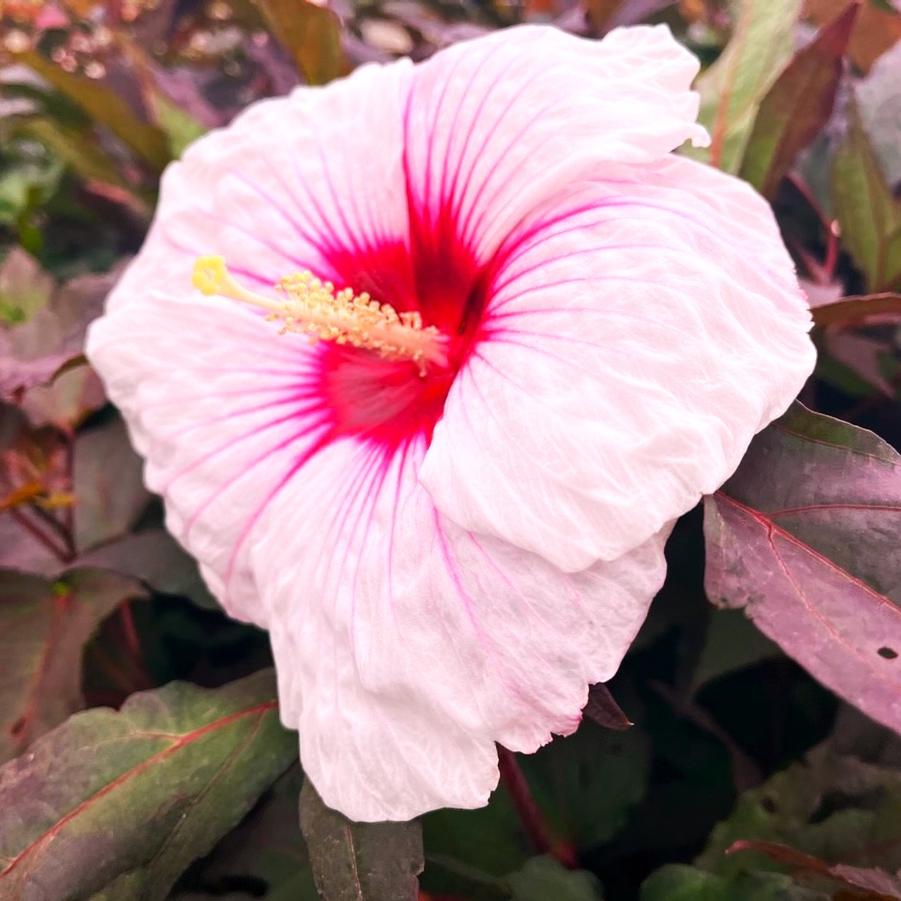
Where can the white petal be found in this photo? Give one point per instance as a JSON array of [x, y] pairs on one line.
[[308, 181], [221, 408], [496, 124], [406, 647], [641, 329]]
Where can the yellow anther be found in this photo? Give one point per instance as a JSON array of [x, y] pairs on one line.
[[313, 308], [210, 275]]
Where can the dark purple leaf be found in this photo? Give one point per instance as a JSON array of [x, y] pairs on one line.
[[108, 485], [19, 549], [73, 395], [154, 557], [44, 626], [805, 538], [876, 31], [32, 352], [864, 355], [603, 709], [360, 861], [797, 106], [851, 310]]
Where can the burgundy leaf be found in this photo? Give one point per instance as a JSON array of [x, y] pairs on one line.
[[44, 626], [851, 310], [798, 105], [805, 538], [603, 709], [33, 351], [109, 488], [71, 397]]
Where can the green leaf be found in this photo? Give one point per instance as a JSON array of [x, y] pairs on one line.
[[869, 215], [74, 145], [832, 806], [731, 644], [29, 176], [77, 146], [797, 830], [360, 861], [312, 35], [105, 107], [266, 851], [488, 839], [139, 793], [798, 105], [543, 878], [180, 128], [24, 287], [874, 883], [678, 882], [588, 783], [733, 87], [44, 626]]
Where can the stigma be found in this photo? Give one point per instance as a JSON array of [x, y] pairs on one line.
[[314, 308]]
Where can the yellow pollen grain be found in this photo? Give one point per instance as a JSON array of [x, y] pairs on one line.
[[314, 308]]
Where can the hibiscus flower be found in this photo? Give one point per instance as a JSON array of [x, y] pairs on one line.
[[463, 341]]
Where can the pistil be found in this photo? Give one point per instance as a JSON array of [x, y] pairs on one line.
[[314, 308]]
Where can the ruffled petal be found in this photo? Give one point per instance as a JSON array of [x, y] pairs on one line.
[[218, 403], [406, 647], [224, 413], [640, 330], [495, 123], [311, 181]]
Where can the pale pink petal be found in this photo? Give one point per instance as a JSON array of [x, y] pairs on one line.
[[216, 401], [406, 647], [641, 329], [495, 124], [308, 181], [224, 414]]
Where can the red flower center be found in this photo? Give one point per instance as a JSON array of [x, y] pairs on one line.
[[392, 401]]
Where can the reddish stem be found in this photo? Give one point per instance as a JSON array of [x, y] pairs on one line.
[[132, 640], [40, 535], [69, 511], [59, 529], [133, 643], [829, 226], [538, 832], [831, 259]]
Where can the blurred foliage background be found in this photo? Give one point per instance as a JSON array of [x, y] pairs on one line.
[[743, 778]]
